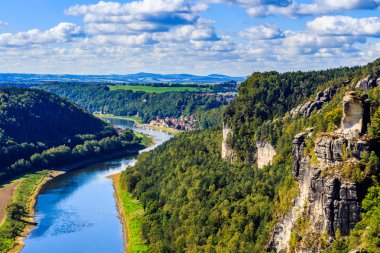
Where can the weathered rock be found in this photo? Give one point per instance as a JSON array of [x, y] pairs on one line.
[[307, 108], [227, 152], [297, 152], [355, 114], [367, 83], [330, 202], [265, 153], [335, 150]]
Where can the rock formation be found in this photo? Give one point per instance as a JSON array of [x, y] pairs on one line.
[[320, 99], [355, 114], [227, 152], [328, 200], [368, 82], [265, 153]]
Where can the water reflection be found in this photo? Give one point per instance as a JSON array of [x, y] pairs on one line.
[[76, 212]]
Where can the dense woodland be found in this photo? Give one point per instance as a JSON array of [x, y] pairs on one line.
[[38, 130], [197, 202], [99, 98]]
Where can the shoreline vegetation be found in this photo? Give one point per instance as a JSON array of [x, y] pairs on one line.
[[130, 213], [138, 122], [24, 197]]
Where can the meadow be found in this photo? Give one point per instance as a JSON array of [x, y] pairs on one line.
[[151, 89]]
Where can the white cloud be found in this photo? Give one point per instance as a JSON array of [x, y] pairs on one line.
[[344, 25], [63, 32], [145, 15], [262, 8], [262, 32]]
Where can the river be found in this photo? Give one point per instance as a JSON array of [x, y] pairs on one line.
[[77, 212]]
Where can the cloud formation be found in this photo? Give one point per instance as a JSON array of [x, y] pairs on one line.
[[138, 16], [63, 32], [263, 8], [346, 26], [174, 36]]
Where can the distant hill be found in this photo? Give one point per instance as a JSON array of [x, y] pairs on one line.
[[27, 79]]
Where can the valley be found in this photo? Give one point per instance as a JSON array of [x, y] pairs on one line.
[[290, 164]]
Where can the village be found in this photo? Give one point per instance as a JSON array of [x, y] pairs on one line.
[[183, 123]]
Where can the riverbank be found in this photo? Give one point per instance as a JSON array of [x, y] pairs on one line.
[[138, 123], [130, 211], [26, 194]]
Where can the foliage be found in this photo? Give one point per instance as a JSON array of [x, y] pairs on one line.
[[366, 235], [134, 212], [195, 201], [96, 98], [39, 130], [151, 89], [16, 220]]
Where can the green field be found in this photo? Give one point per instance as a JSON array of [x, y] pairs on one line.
[[151, 89]]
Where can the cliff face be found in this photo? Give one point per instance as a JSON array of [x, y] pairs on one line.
[[265, 153], [227, 151], [329, 200], [264, 150]]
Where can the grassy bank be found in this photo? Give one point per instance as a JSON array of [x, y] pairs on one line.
[[131, 212], [138, 121], [19, 218]]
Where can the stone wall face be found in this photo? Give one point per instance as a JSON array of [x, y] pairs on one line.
[[265, 153], [330, 201], [227, 151]]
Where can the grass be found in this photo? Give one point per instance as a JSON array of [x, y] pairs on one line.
[[145, 140], [131, 212], [135, 119], [151, 89], [25, 195]]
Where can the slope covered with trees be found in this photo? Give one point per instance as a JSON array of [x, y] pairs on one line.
[[39, 129], [195, 201], [99, 98]]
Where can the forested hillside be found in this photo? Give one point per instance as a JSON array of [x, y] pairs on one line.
[[96, 97], [33, 122], [197, 202]]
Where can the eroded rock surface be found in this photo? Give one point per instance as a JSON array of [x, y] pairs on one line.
[[227, 152], [320, 99], [368, 82], [265, 153], [355, 114]]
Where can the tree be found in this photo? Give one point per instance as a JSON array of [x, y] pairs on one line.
[[15, 211]]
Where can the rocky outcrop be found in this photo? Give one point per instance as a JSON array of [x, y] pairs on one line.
[[320, 99], [336, 149], [328, 200], [355, 114], [227, 152], [265, 153], [301, 170], [368, 82]]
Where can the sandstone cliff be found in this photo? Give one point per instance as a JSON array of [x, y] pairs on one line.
[[227, 151], [329, 199]]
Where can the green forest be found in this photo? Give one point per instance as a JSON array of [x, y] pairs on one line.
[[39, 130], [195, 201], [100, 98]]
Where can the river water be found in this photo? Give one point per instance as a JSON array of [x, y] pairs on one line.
[[77, 212]]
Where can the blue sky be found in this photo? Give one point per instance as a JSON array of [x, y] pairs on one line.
[[235, 37]]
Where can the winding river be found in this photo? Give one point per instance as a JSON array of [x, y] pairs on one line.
[[76, 212]]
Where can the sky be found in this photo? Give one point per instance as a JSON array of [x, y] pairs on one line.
[[232, 37]]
